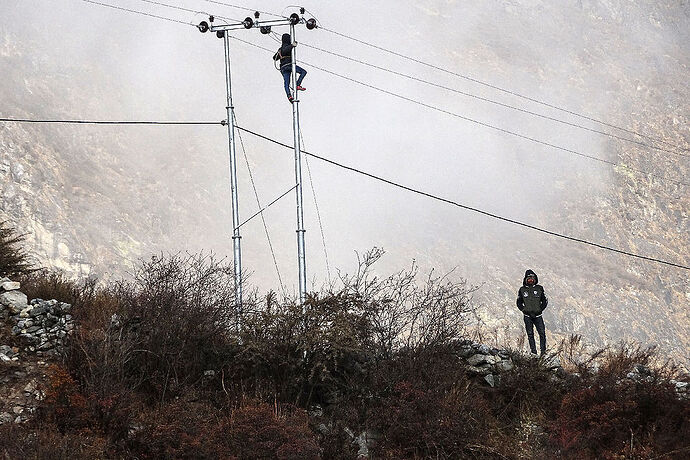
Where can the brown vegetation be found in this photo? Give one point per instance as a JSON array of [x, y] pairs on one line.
[[156, 368]]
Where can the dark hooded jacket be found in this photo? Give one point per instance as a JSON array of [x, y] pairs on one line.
[[531, 300], [284, 52]]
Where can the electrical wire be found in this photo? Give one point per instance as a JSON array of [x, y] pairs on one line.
[[479, 122], [318, 212], [381, 179], [108, 122], [258, 202], [504, 90], [390, 182], [532, 139], [491, 101], [469, 208], [142, 13], [240, 7], [188, 10]]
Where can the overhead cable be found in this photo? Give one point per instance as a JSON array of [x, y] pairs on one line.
[[240, 7], [491, 101], [390, 182], [469, 208], [107, 122], [479, 122], [504, 90], [142, 13], [318, 212]]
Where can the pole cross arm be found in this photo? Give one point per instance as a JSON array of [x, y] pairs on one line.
[[249, 23]]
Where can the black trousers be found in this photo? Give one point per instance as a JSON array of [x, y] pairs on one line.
[[541, 330]]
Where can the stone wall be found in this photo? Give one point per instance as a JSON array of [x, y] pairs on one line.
[[40, 325]]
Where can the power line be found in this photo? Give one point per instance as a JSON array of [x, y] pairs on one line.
[[139, 12], [258, 202], [437, 108], [495, 216], [107, 122], [491, 101], [481, 123], [318, 212], [504, 90], [469, 208], [188, 10], [175, 7], [240, 7]]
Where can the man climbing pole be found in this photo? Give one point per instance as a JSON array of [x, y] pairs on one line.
[[284, 55], [532, 301]]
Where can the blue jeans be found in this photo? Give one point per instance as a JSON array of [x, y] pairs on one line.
[[541, 330], [287, 72]]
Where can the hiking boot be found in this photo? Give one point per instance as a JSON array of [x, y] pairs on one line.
[[301, 88], [291, 99]]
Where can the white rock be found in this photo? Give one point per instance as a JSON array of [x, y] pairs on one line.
[[15, 300], [9, 286]]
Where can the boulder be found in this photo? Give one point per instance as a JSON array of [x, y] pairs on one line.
[[491, 380], [38, 310], [479, 358], [484, 349], [504, 365], [478, 370], [9, 286], [14, 300]]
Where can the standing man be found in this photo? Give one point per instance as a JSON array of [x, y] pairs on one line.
[[284, 55], [532, 301]]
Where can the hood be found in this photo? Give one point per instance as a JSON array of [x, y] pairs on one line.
[[527, 273], [286, 39]]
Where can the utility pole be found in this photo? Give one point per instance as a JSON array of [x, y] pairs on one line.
[[265, 28], [236, 238], [301, 259]]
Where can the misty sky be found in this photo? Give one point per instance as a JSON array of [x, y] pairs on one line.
[[171, 71]]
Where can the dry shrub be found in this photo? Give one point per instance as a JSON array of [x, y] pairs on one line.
[[159, 333], [316, 355], [424, 421], [50, 284], [626, 408], [14, 260], [196, 430], [69, 408], [326, 351], [45, 442]]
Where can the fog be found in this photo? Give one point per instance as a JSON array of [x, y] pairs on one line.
[[131, 67]]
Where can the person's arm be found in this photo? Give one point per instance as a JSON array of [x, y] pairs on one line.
[[519, 302], [544, 300], [276, 56]]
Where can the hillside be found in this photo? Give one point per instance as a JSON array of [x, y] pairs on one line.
[[93, 200]]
